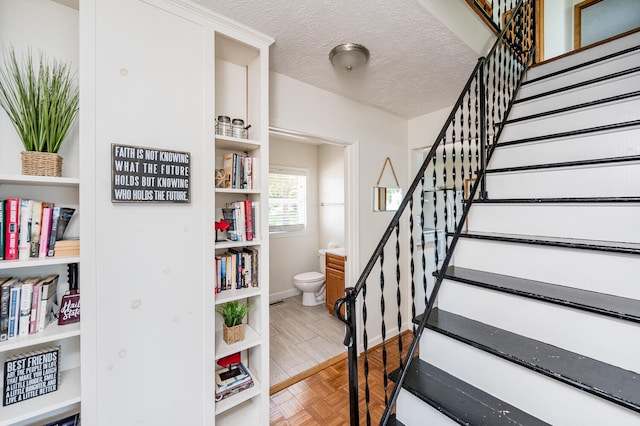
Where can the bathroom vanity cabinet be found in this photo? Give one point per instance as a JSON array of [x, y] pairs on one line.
[[334, 279]]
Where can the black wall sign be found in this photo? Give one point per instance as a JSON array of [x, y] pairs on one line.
[[29, 375], [140, 174]]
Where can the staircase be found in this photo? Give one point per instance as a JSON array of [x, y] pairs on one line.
[[537, 320]]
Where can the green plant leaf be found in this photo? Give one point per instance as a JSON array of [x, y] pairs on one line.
[[41, 102], [233, 313]]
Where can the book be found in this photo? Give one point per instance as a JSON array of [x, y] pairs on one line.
[[246, 271], [239, 216], [55, 218], [2, 229], [229, 270], [227, 166], [254, 253], [14, 309], [24, 229], [45, 231], [48, 302], [12, 224], [218, 288], [248, 172], [63, 221], [248, 219], [5, 291], [228, 216], [234, 374], [237, 264], [36, 220], [35, 306], [232, 380], [69, 247], [255, 219], [26, 300], [232, 391]]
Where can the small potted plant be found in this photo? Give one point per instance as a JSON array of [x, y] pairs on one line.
[[232, 314], [41, 101]]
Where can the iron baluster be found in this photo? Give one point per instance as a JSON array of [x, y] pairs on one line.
[[398, 298], [365, 345], [383, 329], [412, 264]]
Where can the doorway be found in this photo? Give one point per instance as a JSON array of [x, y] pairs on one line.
[[304, 339]]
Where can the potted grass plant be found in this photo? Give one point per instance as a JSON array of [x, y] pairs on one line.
[[233, 314], [41, 99]]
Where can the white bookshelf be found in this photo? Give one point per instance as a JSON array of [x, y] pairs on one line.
[[51, 333], [36, 262], [63, 191], [237, 294], [241, 91]]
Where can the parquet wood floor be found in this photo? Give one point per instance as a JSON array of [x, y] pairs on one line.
[[323, 398]]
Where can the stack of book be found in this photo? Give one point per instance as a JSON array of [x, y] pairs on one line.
[[238, 171], [231, 380], [244, 220], [67, 247], [31, 228], [237, 268], [27, 306]]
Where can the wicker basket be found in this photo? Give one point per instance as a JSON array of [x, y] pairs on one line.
[[233, 334], [41, 163]]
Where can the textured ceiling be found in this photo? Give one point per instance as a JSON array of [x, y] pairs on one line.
[[417, 64]]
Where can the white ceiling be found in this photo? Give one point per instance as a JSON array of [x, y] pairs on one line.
[[417, 64]]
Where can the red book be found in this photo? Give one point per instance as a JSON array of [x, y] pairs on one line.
[[248, 220], [12, 219]]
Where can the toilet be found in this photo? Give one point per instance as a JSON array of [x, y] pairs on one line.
[[312, 283]]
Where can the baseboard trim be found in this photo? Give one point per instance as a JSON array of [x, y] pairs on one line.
[[281, 295]]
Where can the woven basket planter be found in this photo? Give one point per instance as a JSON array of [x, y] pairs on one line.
[[41, 164], [232, 334]]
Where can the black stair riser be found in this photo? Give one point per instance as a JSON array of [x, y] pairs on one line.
[[583, 105], [569, 243], [596, 129], [592, 162], [578, 85], [582, 65]]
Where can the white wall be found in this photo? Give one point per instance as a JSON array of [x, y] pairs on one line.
[[331, 195], [42, 26], [558, 27], [301, 107], [462, 21], [294, 253], [150, 278]]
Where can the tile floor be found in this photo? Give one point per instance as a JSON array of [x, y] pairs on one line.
[[301, 338]]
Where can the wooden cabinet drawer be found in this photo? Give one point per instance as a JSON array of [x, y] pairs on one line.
[[334, 261]]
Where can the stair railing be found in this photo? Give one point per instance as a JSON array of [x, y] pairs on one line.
[[448, 180]]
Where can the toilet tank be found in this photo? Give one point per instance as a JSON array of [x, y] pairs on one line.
[[321, 260]]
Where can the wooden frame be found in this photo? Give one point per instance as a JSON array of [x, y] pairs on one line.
[[577, 21]]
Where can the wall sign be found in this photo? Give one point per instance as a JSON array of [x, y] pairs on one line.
[[140, 174], [31, 374]]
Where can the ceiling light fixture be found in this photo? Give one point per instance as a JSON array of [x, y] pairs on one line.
[[349, 56]]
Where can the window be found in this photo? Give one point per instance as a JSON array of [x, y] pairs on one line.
[[287, 200]]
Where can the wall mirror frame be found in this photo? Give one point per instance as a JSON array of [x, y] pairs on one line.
[[386, 198]]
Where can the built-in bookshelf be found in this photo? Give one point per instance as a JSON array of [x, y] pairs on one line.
[[62, 191], [241, 92]]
